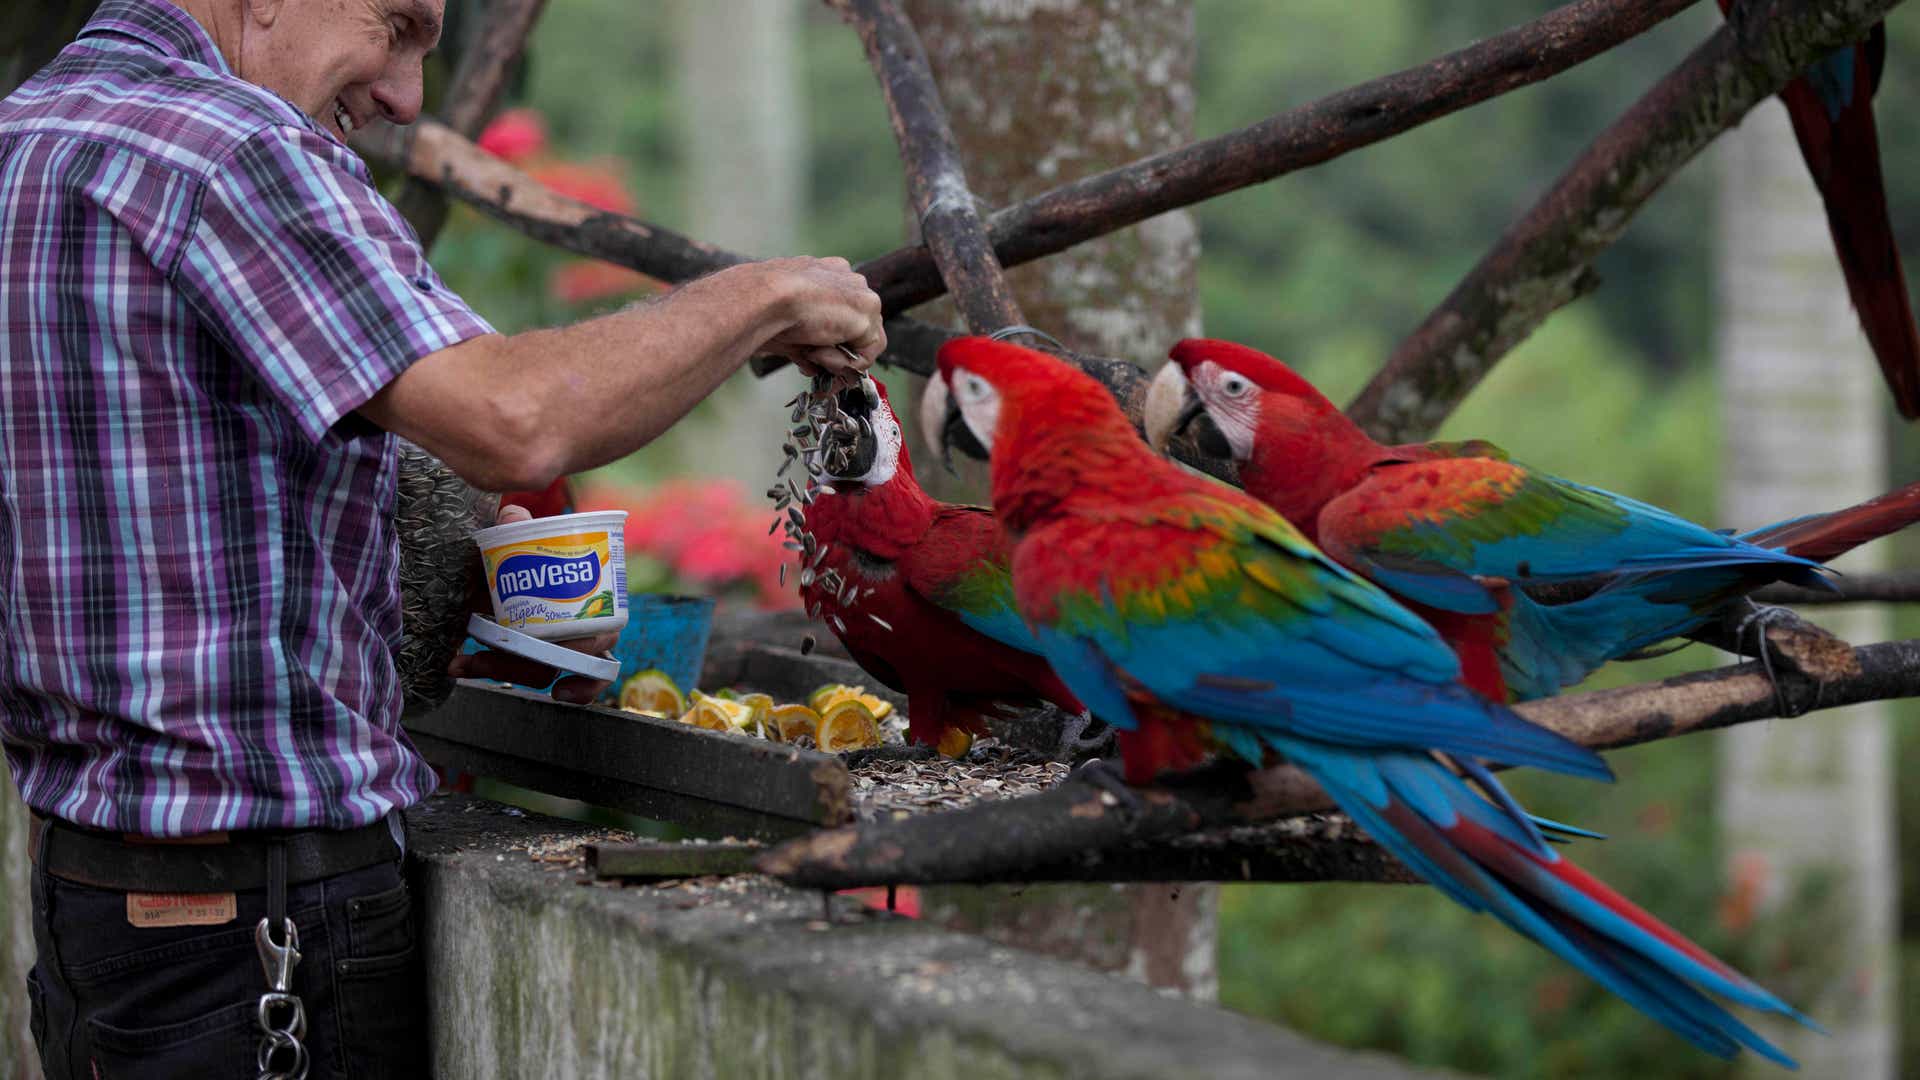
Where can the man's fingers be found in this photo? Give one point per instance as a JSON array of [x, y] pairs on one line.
[[578, 689], [512, 512]]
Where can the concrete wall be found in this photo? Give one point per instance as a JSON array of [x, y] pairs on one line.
[[535, 974], [17, 1056]]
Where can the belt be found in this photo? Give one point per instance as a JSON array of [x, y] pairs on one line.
[[110, 861]]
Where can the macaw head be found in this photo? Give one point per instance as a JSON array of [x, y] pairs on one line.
[[988, 392], [1233, 397], [868, 449]]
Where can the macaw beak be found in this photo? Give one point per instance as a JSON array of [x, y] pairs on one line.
[[945, 429], [850, 447], [1172, 407]]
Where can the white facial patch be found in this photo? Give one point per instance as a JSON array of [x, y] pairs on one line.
[[886, 448], [979, 405], [1233, 403]]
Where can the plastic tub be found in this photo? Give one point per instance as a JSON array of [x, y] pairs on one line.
[[558, 577]]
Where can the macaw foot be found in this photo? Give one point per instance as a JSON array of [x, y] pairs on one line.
[[1759, 619], [1076, 744], [1097, 773], [907, 752]]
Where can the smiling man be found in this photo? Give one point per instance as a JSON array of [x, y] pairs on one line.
[[212, 329]]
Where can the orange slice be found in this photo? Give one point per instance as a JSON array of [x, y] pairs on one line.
[[652, 691], [848, 725], [825, 698], [955, 742], [789, 722]]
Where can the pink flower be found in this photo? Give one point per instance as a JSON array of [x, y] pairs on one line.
[[597, 185], [515, 136], [708, 532]]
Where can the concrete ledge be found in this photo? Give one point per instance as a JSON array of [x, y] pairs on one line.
[[534, 974]]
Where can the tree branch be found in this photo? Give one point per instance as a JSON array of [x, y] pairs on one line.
[[1296, 139], [1544, 260], [1894, 588], [472, 95], [1002, 840], [936, 182]]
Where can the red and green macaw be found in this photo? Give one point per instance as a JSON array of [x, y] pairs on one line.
[[1831, 106], [1535, 581], [926, 604], [1193, 617]]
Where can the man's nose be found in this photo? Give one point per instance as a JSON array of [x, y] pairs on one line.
[[398, 95]]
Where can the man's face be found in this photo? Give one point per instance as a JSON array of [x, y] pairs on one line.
[[343, 62]]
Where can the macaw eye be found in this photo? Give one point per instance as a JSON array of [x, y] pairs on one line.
[[1235, 385], [972, 387]]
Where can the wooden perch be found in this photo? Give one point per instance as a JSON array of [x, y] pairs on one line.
[[473, 94], [1898, 587], [1544, 260], [1002, 840], [936, 182]]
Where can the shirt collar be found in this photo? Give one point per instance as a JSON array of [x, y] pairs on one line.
[[162, 25]]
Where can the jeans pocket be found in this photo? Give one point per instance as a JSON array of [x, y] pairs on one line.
[[382, 1004], [36, 1007], [380, 924], [221, 1043]]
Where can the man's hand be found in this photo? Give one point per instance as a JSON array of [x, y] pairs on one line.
[[506, 667], [828, 305]]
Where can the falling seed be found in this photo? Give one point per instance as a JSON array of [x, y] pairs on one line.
[[791, 545], [826, 489], [807, 644], [806, 578], [838, 626], [884, 624], [773, 527], [784, 466], [783, 575]]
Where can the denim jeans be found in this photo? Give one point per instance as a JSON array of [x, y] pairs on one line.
[[111, 1000]]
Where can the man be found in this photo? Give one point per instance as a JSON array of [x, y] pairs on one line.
[[211, 329]]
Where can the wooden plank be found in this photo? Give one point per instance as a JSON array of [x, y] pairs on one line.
[[708, 781], [662, 861]]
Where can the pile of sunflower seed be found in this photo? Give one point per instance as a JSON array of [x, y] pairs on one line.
[[820, 438], [893, 788]]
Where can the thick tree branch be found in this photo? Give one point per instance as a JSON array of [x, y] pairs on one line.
[[1296, 139], [435, 153], [936, 182], [1544, 260], [475, 91], [1001, 840]]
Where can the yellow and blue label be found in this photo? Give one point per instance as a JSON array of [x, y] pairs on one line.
[[553, 579]]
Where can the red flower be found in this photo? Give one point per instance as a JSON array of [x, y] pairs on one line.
[[597, 185], [707, 531], [515, 136]]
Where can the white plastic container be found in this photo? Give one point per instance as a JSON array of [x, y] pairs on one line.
[[558, 577]]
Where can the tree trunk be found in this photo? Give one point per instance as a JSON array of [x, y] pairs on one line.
[[739, 90], [1805, 808], [1039, 95]]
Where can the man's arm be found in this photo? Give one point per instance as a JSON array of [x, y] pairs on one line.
[[513, 413]]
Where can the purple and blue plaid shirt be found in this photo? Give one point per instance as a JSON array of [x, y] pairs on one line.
[[198, 569]]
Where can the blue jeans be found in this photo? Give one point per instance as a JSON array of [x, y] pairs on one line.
[[111, 1000]]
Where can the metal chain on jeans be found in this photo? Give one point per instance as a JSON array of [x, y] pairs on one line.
[[282, 1054]]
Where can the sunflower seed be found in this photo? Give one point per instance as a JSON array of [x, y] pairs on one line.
[[884, 624]]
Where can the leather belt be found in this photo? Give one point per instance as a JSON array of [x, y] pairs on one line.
[[110, 861]]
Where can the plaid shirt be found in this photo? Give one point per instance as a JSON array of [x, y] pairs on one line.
[[198, 598]]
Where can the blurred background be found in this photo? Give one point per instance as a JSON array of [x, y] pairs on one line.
[[756, 124], [1327, 269]]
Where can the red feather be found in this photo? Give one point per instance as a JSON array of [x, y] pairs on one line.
[[1827, 536], [901, 547]]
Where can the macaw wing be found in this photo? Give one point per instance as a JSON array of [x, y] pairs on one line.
[[1428, 530], [961, 566], [1248, 626]]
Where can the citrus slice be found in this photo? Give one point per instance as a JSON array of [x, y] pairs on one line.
[[789, 722], [847, 725], [652, 691], [955, 742], [832, 694], [759, 715], [709, 715], [737, 713]]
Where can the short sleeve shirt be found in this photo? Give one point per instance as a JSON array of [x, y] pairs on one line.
[[198, 568]]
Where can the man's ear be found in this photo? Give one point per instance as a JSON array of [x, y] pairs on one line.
[[264, 13]]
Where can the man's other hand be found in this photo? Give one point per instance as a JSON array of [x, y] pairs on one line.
[[506, 667], [827, 305]]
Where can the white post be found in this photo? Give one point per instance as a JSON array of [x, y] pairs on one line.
[[1805, 804]]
